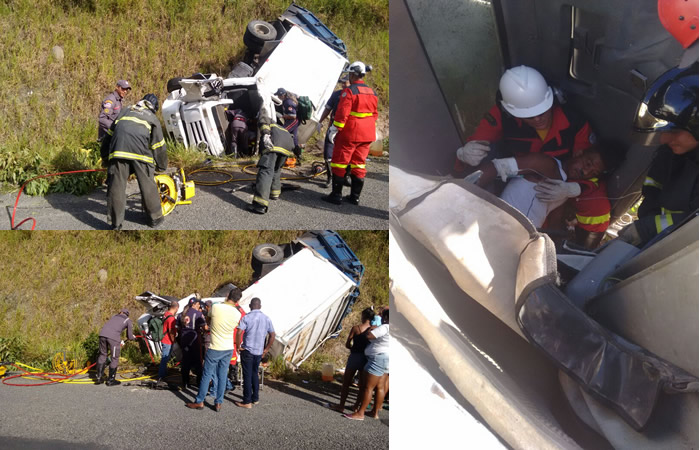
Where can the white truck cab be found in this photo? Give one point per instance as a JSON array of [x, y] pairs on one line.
[[300, 63]]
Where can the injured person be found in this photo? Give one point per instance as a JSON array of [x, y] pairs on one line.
[[582, 174]]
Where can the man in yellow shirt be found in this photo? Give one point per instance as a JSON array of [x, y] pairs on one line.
[[224, 318]]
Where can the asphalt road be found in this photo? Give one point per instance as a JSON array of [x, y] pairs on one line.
[[70, 416], [221, 207]]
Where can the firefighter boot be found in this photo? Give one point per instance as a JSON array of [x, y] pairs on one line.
[[336, 195], [329, 174], [100, 373], [355, 190], [112, 378]]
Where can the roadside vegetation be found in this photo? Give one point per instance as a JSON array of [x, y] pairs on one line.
[[61, 58], [54, 297]]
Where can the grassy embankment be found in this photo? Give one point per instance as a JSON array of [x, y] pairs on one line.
[[49, 106], [51, 298]]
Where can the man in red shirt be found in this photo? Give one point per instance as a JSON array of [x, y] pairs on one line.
[[354, 121], [169, 336]]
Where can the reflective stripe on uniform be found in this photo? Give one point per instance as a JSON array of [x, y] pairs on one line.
[[265, 128], [134, 156], [670, 211], [282, 150], [275, 192], [357, 166], [134, 119], [158, 144], [339, 124], [359, 114], [340, 166], [110, 132], [593, 220], [648, 181], [262, 201], [662, 222]]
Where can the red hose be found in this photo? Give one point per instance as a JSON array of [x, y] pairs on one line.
[[14, 210]]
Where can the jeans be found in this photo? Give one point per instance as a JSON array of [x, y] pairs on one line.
[[215, 365], [164, 358], [215, 385], [251, 383]]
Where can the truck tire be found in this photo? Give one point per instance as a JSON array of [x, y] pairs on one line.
[[260, 31], [174, 84], [265, 254]]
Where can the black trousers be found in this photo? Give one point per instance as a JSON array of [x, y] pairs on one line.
[[117, 176], [268, 182]]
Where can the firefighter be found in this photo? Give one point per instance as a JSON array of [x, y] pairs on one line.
[[329, 110], [135, 144], [670, 188], [289, 113], [526, 119], [111, 107], [110, 344], [353, 131], [277, 145]]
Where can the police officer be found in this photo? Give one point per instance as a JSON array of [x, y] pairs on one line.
[[329, 110], [670, 106], [192, 327], [277, 145], [110, 344], [135, 144], [111, 107], [352, 132]]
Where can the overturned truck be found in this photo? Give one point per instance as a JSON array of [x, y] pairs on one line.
[[306, 287], [296, 52]]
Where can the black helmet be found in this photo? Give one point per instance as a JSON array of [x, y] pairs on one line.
[[153, 100], [671, 103]]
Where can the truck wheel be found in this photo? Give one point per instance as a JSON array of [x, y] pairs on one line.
[[260, 31], [174, 84], [266, 254]]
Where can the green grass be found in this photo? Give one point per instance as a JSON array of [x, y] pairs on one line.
[[51, 299], [48, 106]]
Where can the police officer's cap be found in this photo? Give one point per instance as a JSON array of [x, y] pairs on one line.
[[124, 311], [153, 100]]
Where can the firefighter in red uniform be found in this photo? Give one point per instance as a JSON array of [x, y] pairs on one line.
[[528, 120], [354, 120]]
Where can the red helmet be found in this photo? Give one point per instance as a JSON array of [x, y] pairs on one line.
[[680, 18]]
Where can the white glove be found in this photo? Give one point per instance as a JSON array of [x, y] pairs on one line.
[[332, 131], [506, 168], [267, 142], [473, 152], [552, 191], [122, 343]]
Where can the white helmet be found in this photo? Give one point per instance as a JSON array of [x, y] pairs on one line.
[[358, 68], [525, 92]]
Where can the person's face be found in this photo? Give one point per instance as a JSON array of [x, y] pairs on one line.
[[541, 122], [587, 165], [680, 141], [123, 91]]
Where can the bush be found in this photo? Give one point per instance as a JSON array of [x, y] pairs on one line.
[[11, 349], [91, 345]]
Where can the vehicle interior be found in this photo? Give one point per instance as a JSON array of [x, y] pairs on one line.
[[464, 279]]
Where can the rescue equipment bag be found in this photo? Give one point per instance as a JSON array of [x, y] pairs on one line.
[[305, 108], [155, 328]]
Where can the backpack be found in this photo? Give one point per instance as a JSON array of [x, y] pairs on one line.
[[304, 109], [155, 328]]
